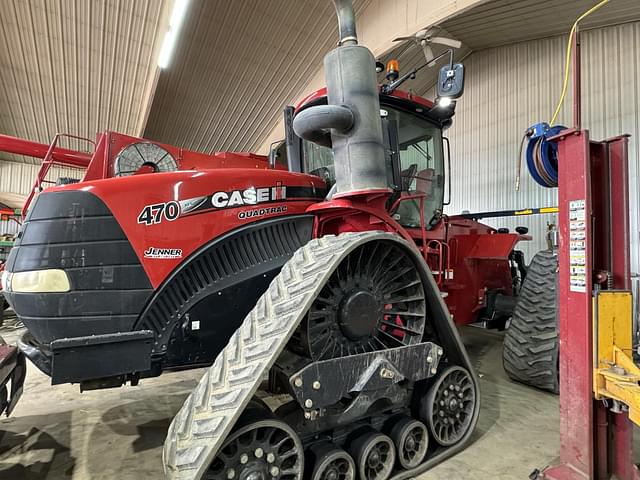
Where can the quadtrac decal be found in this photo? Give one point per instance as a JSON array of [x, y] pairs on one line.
[[261, 212], [163, 253], [222, 200]]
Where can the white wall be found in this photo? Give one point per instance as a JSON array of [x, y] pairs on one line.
[[512, 87]]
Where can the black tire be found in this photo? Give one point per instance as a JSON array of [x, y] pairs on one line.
[[3, 306], [530, 351]]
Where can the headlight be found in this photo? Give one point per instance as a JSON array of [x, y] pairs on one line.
[[39, 281]]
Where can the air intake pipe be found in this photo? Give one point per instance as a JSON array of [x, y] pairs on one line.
[[352, 117]]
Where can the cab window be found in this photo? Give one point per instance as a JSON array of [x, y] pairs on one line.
[[421, 164], [422, 167], [318, 161], [280, 154]]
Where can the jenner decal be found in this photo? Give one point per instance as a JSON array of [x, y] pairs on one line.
[[162, 253]]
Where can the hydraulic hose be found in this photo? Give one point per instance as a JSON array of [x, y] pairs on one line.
[[519, 162]]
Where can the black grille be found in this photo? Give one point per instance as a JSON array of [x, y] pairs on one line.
[[241, 255], [75, 231]]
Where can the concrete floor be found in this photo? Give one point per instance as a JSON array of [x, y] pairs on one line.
[[58, 433]]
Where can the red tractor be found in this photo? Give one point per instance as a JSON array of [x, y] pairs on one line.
[[324, 268]]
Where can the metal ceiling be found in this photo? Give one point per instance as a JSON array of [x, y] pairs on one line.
[[77, 66], [501, 22], [82, 66], [236, 66]]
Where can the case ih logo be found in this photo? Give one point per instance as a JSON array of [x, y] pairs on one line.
[[159, 212], [250, 196]]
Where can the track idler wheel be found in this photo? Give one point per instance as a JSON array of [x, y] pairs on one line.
[[411, 439], [331, 463], [448, 408], [374, 454], [260, 448]]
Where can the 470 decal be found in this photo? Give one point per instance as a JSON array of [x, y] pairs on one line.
[[155, 213]]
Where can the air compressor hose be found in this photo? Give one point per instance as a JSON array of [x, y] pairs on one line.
[[541, 154]]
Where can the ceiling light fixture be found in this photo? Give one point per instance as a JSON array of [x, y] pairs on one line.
[[171, 36]]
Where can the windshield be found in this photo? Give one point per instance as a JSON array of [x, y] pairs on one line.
[[421, 164], [318, 161]]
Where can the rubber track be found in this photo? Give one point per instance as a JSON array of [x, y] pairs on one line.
[[209, 413], [530, 351]]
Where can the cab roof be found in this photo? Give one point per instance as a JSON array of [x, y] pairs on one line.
[[400, 99]]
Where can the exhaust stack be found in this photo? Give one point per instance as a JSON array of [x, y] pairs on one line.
[[351, 120]]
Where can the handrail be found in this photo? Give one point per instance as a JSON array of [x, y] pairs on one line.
[[20, 146], [49, 160]]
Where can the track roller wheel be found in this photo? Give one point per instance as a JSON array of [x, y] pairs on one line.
[[411, 439], [449, 406], [261, 447], [331, 463], [374, 454]]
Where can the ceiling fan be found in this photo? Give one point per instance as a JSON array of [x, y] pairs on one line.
[[424, 38]]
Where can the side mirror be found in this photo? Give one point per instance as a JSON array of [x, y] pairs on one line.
[[451, 81]]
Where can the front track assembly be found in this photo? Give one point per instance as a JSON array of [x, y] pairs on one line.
[[348, 367]]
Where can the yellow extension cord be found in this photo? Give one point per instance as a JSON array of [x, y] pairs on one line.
[[568, 60], [567, 67]]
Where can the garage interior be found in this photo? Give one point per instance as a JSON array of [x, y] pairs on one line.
[[204, 83]]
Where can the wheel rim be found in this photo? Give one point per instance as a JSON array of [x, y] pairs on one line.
[[373, 301], [262, 450], [376, 457], [412, 440], [334, 465], [450, 406]]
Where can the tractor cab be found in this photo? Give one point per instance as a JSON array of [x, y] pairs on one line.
[[416, 155]]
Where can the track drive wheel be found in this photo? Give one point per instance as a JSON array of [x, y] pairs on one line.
[[374, 454], [331, 463], [449, 406], [261, 447], [411, 439], [530, 351]]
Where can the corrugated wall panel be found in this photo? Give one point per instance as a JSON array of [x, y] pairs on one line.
[[17, 177], [509, 88]]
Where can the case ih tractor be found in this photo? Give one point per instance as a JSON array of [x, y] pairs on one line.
[[321, 284]]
